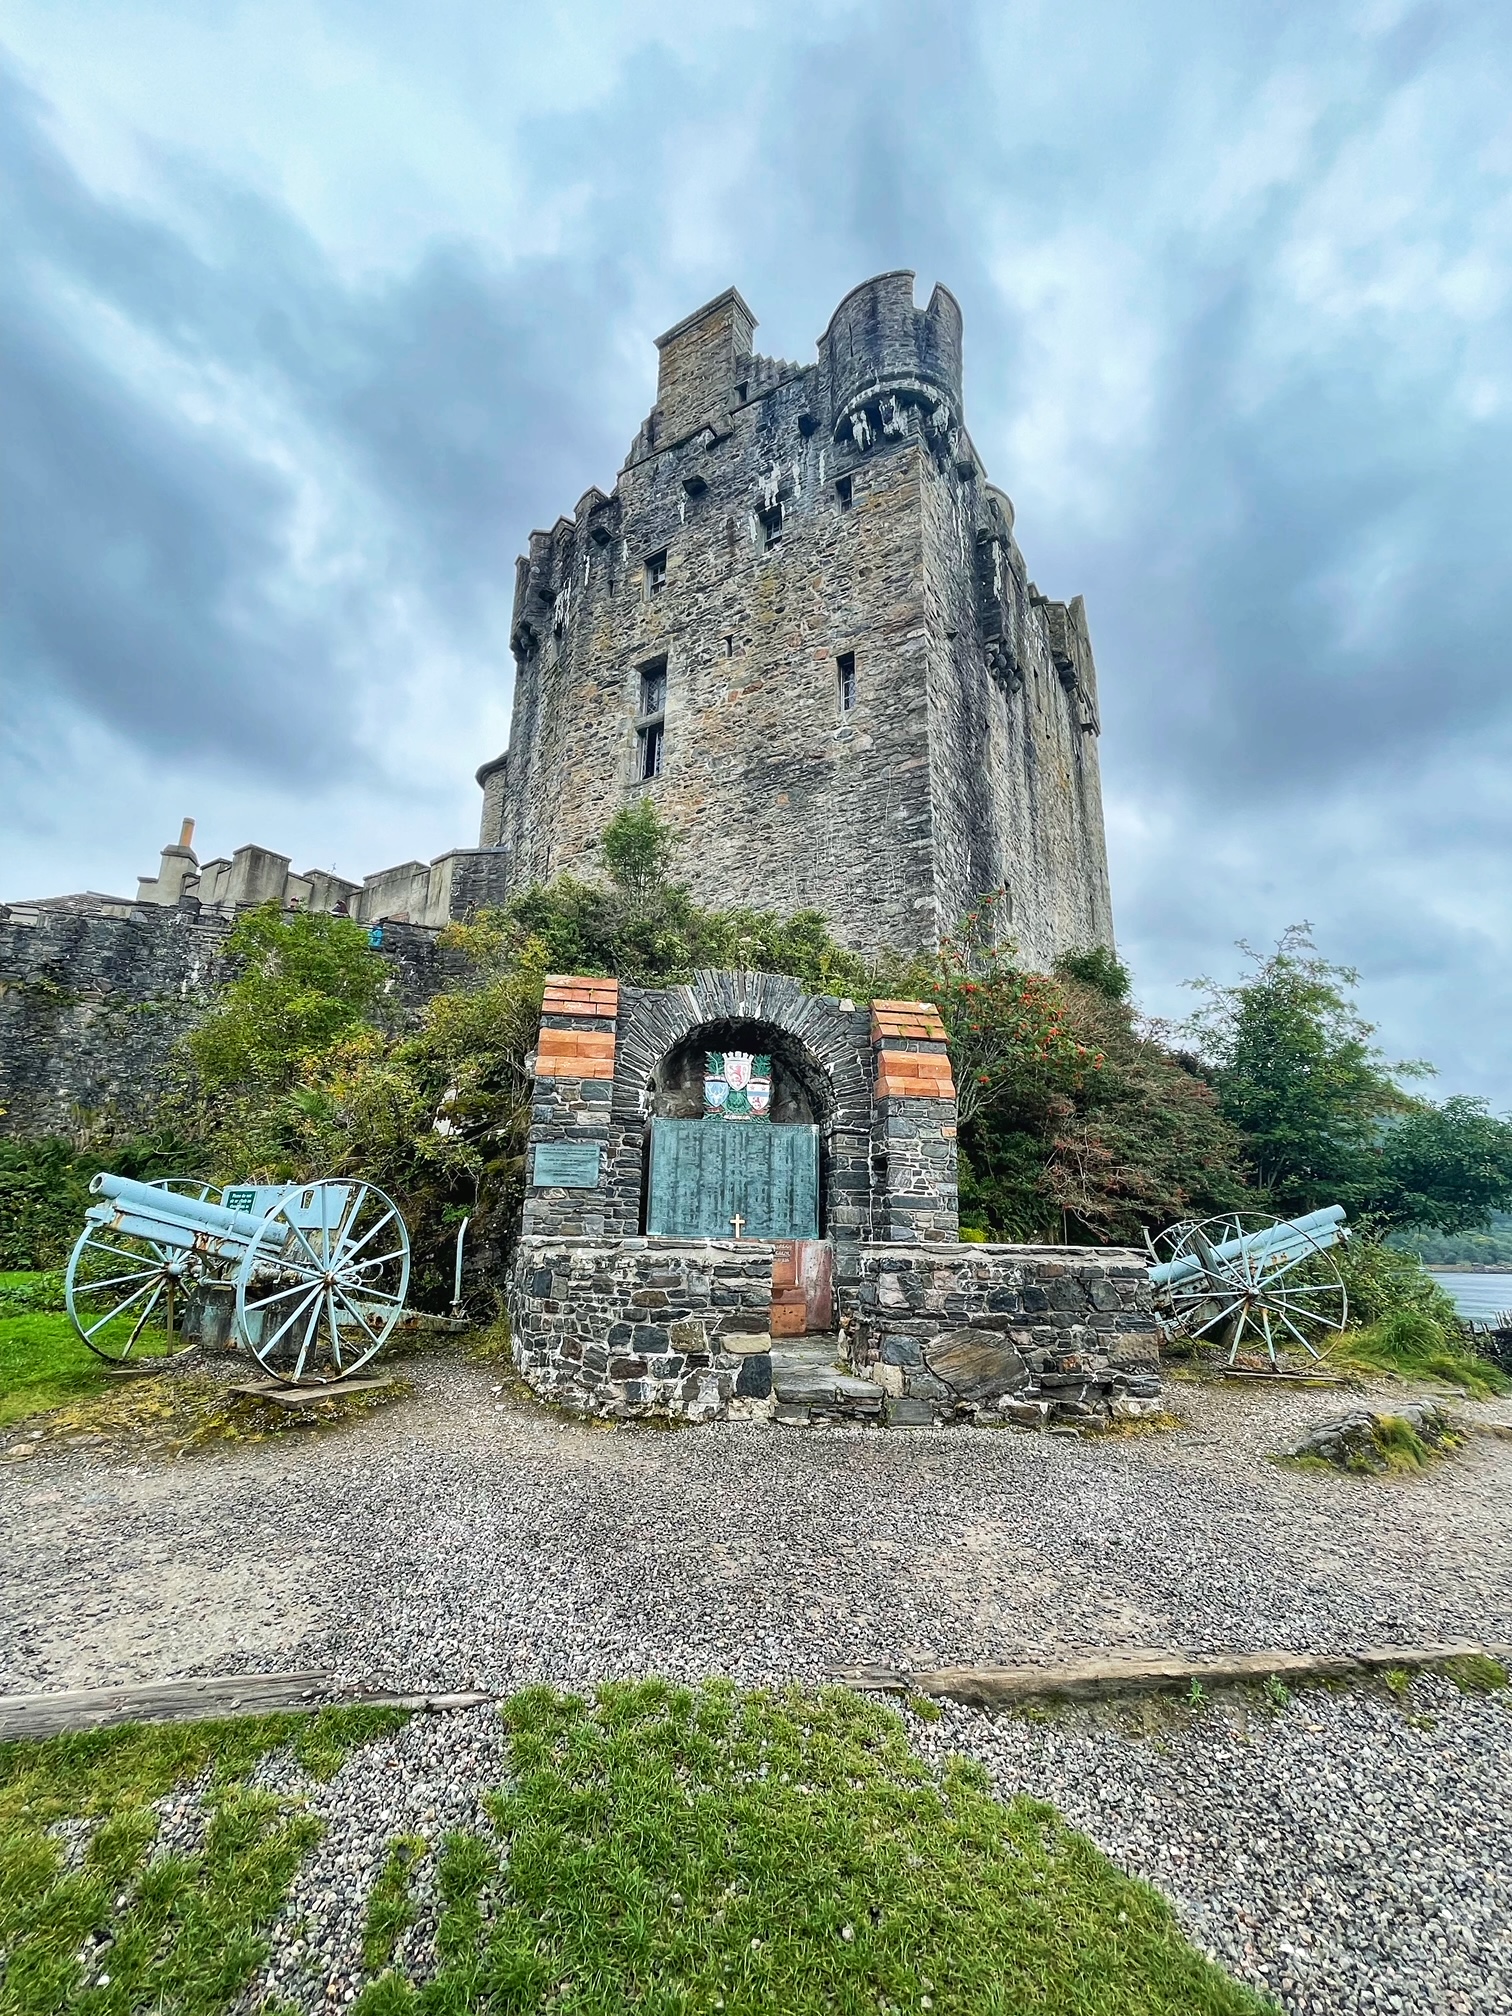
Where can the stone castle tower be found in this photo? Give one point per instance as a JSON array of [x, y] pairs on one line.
[[802, 625]]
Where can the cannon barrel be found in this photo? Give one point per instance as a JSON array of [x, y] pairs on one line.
[[171, 1206], [1293, 1236]]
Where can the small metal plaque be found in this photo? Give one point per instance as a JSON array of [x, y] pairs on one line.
[[566, 1165]]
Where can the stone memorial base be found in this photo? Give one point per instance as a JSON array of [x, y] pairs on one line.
[[682, 1329]]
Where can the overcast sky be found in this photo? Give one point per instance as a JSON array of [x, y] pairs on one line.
[[312, 311]]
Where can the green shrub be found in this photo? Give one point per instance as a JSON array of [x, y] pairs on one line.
[[26, 1294], [1383, 1282], [44, 1187]]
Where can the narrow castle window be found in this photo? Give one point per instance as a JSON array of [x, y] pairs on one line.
[[730, 644], [771, 521], [845, 680], [843, 493], [656, 572], [653, 687], [650, 728]]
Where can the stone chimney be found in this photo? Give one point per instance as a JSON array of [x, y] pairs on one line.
[[700, 364], [177, 866]]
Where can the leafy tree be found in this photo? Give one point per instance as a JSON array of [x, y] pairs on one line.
[[1006, 1028], [304, 980], [1444, 1168], [646, 928], [1077, 1121], [639, 848], [1298, 1074], [1327, 1120], [1098, 969]]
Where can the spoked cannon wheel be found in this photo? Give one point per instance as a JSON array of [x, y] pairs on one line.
[[125, 1293], [323, 1282], [1273, 1284]]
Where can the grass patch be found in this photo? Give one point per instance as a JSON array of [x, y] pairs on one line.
[[924, 1707], [118, 1927], [1476, 1673], [184, 1411], [1144, 1424], [654, 1848], [492, 1346], [1414, 1347], [43, 1361], [678, 1849], [391, 1908]]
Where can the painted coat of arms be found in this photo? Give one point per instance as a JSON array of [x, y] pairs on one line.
[[737, 1086]]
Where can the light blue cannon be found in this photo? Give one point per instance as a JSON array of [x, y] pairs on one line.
[[1269, 1279], [319, 1271]]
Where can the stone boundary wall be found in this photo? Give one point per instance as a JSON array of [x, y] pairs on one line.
[[626, 1327], [1028, 1333], [92, 1007]]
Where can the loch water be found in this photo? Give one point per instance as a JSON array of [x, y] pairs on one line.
[[1479, 1298]]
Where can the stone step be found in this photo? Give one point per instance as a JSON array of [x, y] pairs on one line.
[[807, 1382]]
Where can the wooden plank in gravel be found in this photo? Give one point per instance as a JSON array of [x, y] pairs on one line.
[[305, 1396], [157, 1701], [1150, 1673]]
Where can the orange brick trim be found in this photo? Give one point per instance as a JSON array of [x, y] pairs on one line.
[[918, 1020], [575, 1053], [914, 1074], [568, 995]]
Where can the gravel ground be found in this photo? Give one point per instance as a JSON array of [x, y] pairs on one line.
[[467, 1538], [1352, 1854]]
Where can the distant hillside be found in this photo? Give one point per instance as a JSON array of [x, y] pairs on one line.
[[1491, 1248]]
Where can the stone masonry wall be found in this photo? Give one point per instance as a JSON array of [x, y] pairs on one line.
[[1028, 1333], [92, 1007], [625, 1327], [771, 519]]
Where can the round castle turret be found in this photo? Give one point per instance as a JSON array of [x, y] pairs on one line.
[[880, 348]]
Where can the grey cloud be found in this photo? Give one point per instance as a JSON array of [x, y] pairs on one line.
[[1298, 728], [152, 557]]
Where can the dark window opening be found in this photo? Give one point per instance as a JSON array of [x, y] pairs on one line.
[[649, 750], [730, 646], [845, 680], [694, 486], [653, 687], [843, 493], [771, 521], [740, 393], [656, 572]]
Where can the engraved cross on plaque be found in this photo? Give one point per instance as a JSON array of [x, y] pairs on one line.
[[738, 1222]]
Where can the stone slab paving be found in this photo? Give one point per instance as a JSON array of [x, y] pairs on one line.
[[466, 1538]]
